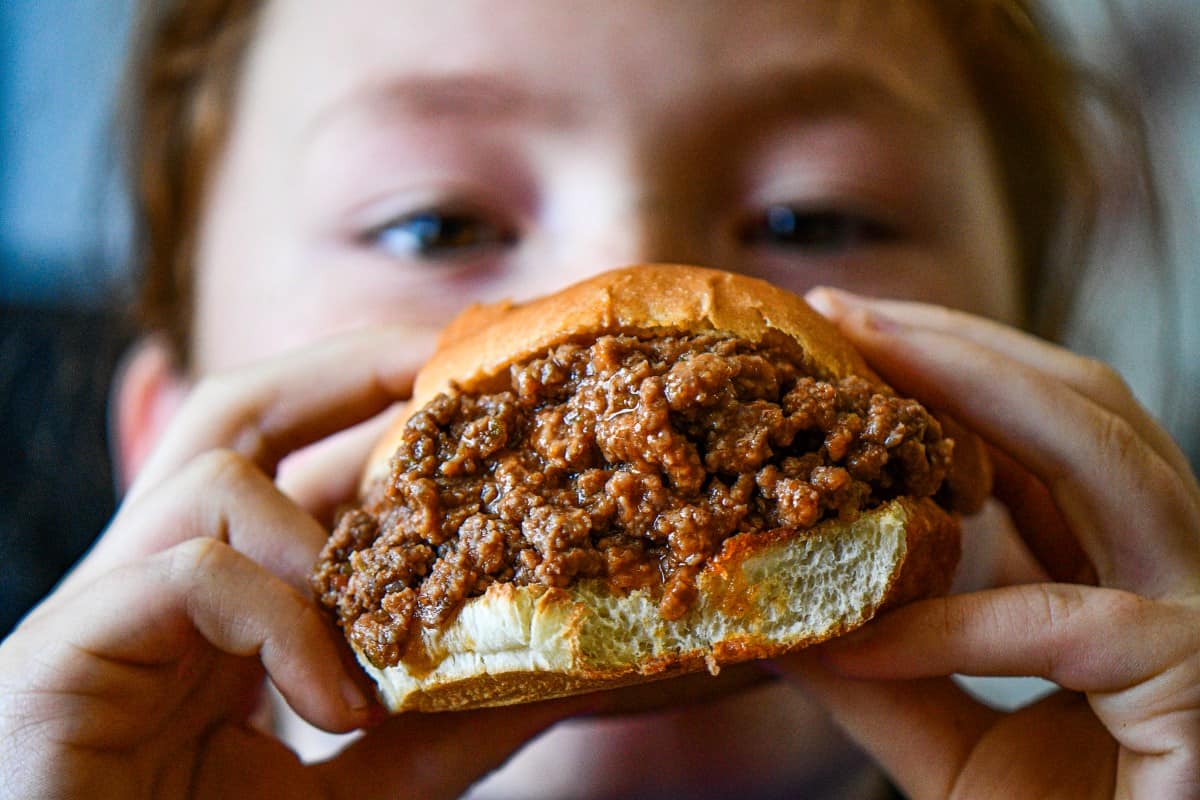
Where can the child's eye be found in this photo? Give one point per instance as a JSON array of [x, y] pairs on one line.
[[439, 234], [823, 231]]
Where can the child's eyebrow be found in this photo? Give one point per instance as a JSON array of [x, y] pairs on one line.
[[833, 88], [466, 97], [797, 92]]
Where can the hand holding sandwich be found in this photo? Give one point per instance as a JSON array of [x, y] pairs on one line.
[[1094, 486], [141, 672], [140, 676]]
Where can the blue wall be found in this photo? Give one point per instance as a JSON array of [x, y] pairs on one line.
[[62, 219]]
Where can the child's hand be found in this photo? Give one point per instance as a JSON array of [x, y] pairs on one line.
[[139, 676], [1096, 488]]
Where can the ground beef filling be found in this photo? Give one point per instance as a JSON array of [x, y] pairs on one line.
[[627, 459]]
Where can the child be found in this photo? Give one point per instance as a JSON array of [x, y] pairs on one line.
[[324, 185]]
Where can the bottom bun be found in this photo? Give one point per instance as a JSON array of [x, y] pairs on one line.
[[763, 595]]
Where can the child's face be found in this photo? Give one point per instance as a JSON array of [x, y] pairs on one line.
[[394, 160]]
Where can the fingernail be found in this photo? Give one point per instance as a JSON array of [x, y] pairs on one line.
[[872, 320], [829, 302]]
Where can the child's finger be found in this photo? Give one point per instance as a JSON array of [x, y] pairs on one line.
[[219, 495], [1136, 659], [322, 477], [920, 732], [1083, 638], [935, 741], [1133, 514], [143, 633], [1039, 523], [270, 410], [1090, 378], [438, 755]]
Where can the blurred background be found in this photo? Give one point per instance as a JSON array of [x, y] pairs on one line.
[[63, 256]]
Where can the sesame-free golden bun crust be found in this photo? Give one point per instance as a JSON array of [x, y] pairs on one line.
[[763, 595], [484, 340]]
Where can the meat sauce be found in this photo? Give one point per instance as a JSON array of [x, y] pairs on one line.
[[625, 459]]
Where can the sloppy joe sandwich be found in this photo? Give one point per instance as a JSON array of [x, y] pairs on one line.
[[660, 470]]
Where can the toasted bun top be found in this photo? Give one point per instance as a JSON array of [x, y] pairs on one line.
[[484, 340]]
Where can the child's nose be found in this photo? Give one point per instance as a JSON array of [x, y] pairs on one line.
[[648, 228]]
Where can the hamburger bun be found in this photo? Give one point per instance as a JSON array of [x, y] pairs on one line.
[[759, 594]]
